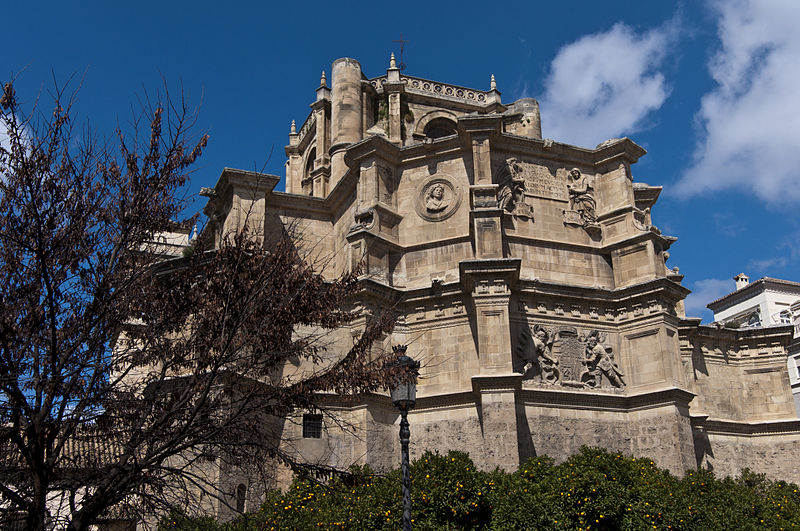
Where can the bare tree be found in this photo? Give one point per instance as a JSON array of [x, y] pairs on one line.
[[122, 380]]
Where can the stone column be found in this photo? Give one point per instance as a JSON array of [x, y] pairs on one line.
[[346, 124]]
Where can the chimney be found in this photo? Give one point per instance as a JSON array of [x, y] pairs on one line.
[[742, 281]]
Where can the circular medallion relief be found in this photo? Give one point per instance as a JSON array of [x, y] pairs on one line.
[[437, 198]]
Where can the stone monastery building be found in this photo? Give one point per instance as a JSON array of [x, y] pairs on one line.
[[529, 281]]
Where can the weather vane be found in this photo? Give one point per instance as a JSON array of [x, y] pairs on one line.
[[402, 46]]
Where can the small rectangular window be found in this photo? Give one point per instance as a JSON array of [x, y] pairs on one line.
[[312, 426]]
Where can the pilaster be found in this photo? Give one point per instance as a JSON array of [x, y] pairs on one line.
[[489, 283], [498, 411], [485, 214], [322, 115]]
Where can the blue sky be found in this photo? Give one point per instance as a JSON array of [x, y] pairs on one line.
[[708, 88]]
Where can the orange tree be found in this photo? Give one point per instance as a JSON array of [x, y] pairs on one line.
[[595, 489]]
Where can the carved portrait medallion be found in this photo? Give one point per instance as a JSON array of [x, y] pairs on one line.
[[437, 198]]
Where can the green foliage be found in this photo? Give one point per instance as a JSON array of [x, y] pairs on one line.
[[594, 489]]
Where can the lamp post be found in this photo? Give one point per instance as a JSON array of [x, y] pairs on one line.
[[404, 396]]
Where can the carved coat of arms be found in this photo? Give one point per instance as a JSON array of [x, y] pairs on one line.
[[565, 358]]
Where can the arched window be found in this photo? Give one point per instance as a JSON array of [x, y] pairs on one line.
[[310, 163], [241, 497], [440, 127], [308, 184]]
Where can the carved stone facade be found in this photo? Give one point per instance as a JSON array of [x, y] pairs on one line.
[[529, 280]]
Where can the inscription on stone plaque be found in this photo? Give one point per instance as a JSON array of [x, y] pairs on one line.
[[540, 181]]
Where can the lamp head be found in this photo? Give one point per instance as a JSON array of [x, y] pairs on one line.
[[404, 392]]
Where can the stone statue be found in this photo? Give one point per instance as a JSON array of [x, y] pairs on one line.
[[581, 196], [511, 196], [600, 362], [435, 201], [543, 352]]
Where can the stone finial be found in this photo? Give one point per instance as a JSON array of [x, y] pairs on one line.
[[492, 84], [293, 129], [323, 81], [392, 62]]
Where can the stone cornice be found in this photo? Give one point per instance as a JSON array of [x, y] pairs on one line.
[[664, 241], [657, 285], [472, 270], [301, 203], [231, 179], [321, 104], [654, 288], [374, 146], [374, 236], [490, 383], [645, 194], [750, 429], [601, 159], [692, 329], [565, 399], [606, 401], [610, 154], [491, 124], [412, 152]]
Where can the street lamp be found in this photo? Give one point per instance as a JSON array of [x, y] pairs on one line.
[[404, 396]]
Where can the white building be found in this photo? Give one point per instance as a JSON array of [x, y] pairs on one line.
[[765, 302]]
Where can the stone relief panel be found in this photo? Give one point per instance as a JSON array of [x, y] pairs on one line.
[[437, 198], [565, 358], [539, 180]]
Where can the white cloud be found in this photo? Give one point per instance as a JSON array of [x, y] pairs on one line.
[[781, 261], [768, 264], [705, 291], [605, 85], [750, 123]]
